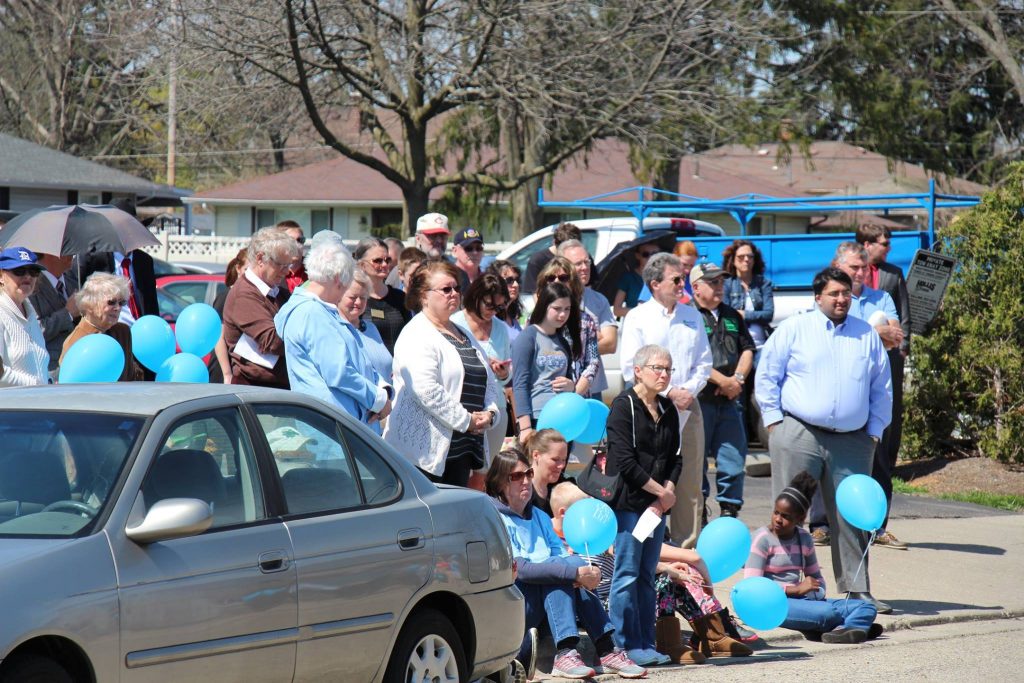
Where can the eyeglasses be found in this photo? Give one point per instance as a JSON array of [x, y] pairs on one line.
[[659, 369], [647, 254], [744, 257], [379, 261], [564, 277], [276, 262], [511, 281], [117, 302], [516, 477], [491, 306], [447, 290], [301, 239], [474, 247], [885, 244], [22, 271], [674, 280]]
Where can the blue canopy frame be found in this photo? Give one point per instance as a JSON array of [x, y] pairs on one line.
[[744, 207]]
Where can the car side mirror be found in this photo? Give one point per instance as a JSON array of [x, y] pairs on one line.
[[172, 518]]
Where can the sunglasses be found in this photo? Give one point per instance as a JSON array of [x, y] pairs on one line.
[[647, 254], [301, 239], [379, 261], [117, 302], [563, 278], [516, 477], [448, 290], [474, 247], [22, 271], [675, 280], [491, 306], [511, 281]]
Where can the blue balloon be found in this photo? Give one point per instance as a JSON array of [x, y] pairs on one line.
[[152, 341], [589, 527], [760, 603], [197, 329], [184, 367], [861, 502], [566, 413], [724, 544], [96, 358], [596, 422]]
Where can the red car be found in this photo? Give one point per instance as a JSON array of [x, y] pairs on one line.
[[200, 288]]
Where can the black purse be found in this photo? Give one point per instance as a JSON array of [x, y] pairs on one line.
[[597, 484]]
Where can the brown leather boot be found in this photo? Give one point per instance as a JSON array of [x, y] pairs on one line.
[[669, 640], [713, 641]]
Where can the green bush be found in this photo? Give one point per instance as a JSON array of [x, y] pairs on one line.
[[966, 389]]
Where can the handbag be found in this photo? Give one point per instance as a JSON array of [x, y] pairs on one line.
[[597, 484]]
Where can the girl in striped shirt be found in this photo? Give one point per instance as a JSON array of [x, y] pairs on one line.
[[784, 552]]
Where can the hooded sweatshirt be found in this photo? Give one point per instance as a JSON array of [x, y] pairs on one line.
[[539, 553]]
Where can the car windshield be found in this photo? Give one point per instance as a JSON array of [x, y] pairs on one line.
[[57, 469], [171, 305]]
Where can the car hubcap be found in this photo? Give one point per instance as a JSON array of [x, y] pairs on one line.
[[432, 661]]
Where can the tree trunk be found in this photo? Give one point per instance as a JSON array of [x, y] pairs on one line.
[[415, 203], [527, 215], [667, 176]]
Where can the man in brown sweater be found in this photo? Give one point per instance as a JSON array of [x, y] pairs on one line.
[[257, 353]]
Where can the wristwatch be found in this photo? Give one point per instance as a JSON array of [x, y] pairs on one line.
[[740, 376]]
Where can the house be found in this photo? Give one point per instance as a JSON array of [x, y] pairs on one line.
[[350, 198], [33, 176]]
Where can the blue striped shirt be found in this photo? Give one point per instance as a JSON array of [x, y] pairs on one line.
[[832, 376]]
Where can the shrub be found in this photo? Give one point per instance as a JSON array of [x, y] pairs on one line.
[[966, 389]]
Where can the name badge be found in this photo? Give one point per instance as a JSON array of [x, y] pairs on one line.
[[689, 323], [376, 313]]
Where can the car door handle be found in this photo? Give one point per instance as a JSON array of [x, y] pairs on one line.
[[273, 561], [410, 539]]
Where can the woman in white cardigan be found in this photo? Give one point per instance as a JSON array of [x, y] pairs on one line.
[[23, 354], [445, 393]]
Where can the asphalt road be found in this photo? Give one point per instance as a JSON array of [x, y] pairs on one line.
[[967, 651]]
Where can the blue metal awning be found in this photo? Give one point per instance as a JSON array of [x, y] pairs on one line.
[[643, 202]]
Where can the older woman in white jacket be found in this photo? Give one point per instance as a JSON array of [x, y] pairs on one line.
[[446, 397]]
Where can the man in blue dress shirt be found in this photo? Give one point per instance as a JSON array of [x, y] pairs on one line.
[[825, 392]]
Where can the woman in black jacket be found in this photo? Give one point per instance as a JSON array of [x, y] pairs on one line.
[[643, 449]]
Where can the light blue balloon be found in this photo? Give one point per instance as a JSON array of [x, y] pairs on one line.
[[197, 329], [566, 413], [95, 358], [724, 544], [861, 502], [184, 367], [596, 422], [152, 341], [589, 527], [760, 603]]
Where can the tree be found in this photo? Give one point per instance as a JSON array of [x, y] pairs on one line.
[[548, 76], [966, 389]]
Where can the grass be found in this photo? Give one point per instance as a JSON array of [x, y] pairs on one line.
[[993, 500]]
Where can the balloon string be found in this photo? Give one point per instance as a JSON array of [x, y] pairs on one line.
[[863, 559]]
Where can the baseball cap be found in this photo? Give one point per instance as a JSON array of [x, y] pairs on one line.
[[467, 236], [706, 272], [432, 224], [18, 257]]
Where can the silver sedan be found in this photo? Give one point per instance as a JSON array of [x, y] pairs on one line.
[[161, 532]]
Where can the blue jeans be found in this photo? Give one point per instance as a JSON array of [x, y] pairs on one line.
[[632, 599], [825, 615], [560, 604], [725, 439]]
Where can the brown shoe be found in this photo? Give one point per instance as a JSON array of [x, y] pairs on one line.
[[669, 639], [714, 641], [887, 540], [820, 536]]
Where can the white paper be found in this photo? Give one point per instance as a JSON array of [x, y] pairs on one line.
[[646, 524], [247, 349]]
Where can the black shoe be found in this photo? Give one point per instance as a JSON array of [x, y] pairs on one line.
[[729, 509], [813, 636], [875, 630], [880, 607], [841, 635]]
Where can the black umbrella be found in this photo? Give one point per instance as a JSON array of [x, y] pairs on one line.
[[82, 228], [620, 259]]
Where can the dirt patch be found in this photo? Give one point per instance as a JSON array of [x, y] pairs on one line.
[[943, 475]]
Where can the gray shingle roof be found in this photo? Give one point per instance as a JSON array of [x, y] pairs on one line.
[[26, 164]]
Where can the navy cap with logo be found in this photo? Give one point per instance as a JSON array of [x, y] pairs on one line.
[[467, 236], [18, 257]]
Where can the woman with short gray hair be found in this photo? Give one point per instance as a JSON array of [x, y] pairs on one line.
[[326, 356], [101, 301]]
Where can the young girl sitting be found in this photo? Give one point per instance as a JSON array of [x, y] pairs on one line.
[[784, 552]]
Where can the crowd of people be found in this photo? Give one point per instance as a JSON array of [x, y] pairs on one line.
[[448, 363]]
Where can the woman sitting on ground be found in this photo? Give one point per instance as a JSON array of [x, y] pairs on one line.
[[101, 301], [784, 552], [556, 585]]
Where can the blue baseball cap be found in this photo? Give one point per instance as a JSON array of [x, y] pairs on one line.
[[467, 236], [18, 257]]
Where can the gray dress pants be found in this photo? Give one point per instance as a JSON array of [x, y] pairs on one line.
[[829, 457]]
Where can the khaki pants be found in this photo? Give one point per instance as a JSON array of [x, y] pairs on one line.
[[684, 522]]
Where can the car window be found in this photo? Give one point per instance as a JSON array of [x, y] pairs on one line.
[[57, 469], [379, 481], [522, 257], [315, 466], [170, 305], [191, 292], [208, 456]]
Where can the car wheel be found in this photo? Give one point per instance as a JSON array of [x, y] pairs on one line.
[[428, 649], [34, 669]]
